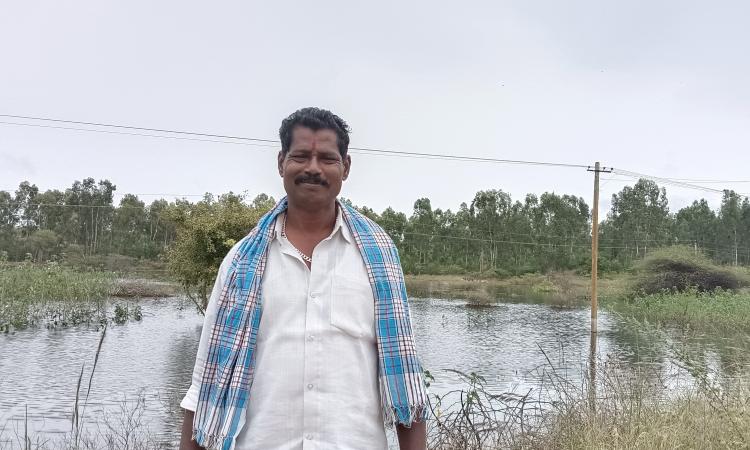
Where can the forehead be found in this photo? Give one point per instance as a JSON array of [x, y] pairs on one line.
[[304, 138]]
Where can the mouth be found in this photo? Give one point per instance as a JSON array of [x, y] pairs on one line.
[[314, 186], [308, 182]]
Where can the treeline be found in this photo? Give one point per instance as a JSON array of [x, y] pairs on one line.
[[492, 234], [82, 220]]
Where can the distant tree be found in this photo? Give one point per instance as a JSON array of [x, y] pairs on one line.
[[91, 203], [43, 244], [27, 210], [263, 202], [733, 230], [129, 227], [639, 219], [696, 226]]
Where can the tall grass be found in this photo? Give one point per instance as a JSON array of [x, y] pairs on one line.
[[613, 408], [30, 294], [709, 311]]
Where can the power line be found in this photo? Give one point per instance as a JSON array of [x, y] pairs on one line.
[[182, 138], [128, 127], [699, 180], [669, 181], [689, 180], [222, 139], [11, 191], [57, 205]]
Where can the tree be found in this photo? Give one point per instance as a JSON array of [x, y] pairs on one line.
[[129, 227], [492, 212], [27, 209], [43, 244], [206, 232], [93, 210], [733, 230], [639, 219], [696, 225], [562, 223]]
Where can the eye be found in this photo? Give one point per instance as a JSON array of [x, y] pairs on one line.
[[298, 157], [330, 160]]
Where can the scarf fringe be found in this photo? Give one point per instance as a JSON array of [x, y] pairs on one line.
[[210, 442], [414, 413]]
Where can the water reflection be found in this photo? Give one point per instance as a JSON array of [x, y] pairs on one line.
[[504, 342]]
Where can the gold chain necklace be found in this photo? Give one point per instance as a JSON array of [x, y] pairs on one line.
[[283, 234]]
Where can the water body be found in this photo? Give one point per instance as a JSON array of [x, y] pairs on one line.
[[151, 361]]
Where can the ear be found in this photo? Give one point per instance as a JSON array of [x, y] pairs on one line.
[[347, 166], [280, 162]]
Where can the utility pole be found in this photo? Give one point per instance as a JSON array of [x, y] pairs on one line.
[[595, 244]]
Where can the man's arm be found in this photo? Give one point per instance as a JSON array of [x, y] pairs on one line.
[[190, 402], [186, 440], [414, 438]]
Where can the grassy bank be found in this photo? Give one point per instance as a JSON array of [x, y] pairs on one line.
[[60, 296], [557, 287], [677, 286], [628, 409], [720, 310], [692, 421]]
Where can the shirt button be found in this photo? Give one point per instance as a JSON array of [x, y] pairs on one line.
[[308, 436], [311, 338], [310, 386], [314, 295]]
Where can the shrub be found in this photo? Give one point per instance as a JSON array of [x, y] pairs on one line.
[[678, 269]]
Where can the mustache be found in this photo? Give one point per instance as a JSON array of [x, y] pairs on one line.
[[310, 179]]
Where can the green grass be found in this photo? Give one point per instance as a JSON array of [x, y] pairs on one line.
[[718, 310], [32, 294]]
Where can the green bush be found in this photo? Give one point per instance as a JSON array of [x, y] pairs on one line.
[[679, 269]]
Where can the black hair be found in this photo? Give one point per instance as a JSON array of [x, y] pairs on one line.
[[315, 119]]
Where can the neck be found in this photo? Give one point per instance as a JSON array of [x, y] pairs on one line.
[[311, 220]]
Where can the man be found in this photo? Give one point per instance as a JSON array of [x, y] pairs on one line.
[[307, 342]]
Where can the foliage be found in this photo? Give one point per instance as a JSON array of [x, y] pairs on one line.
[[718, 310], [490, 236], [615, 407], [679, 269], [44, 224], [206, 232], [31, 294]]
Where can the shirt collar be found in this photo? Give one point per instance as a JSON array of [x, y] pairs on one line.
[[338, 226]]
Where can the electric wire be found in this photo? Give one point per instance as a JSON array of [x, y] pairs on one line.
[[222, 139]]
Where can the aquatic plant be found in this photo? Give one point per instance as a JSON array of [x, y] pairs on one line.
[[51, 294], [719, 310]]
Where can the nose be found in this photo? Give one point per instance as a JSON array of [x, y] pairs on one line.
[[313, 165]]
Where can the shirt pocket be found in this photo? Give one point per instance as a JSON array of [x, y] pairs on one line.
[[353, 308]]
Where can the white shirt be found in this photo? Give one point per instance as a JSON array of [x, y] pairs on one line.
[[315, 382]]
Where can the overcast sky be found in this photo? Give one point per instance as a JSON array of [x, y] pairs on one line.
[[658, 87]]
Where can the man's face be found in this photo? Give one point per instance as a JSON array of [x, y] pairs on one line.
[[313, 169]]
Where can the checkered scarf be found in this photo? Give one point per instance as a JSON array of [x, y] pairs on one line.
[[228, 373]]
